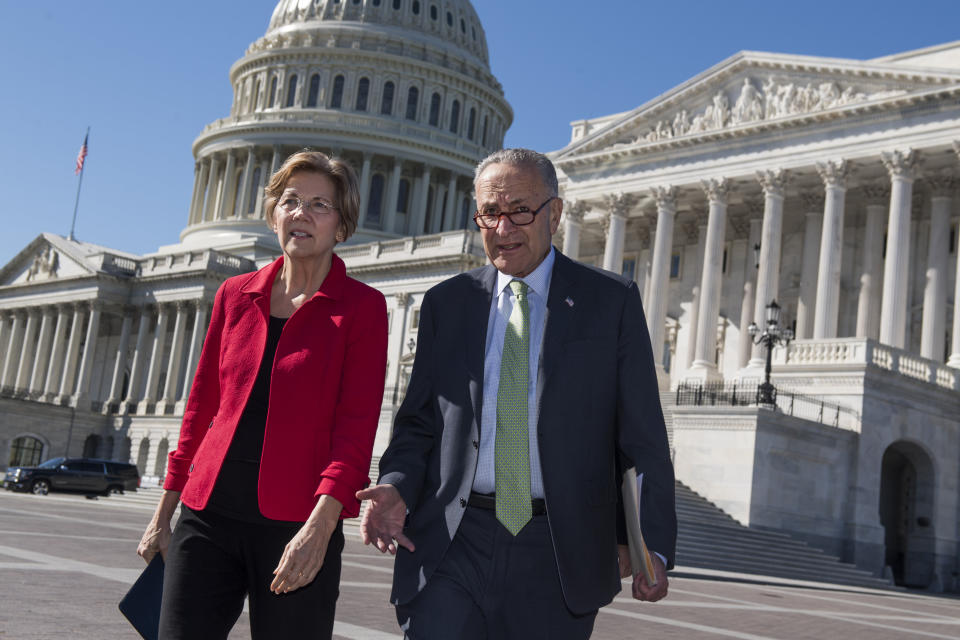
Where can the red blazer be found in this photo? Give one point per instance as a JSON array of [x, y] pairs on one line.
[[325, 394]]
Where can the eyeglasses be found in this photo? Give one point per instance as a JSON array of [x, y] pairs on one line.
[[289, 204], [520, 216]]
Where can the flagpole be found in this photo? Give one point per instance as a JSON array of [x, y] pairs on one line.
[[80, 161]]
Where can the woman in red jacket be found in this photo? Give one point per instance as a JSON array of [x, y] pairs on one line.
[[279, 427]]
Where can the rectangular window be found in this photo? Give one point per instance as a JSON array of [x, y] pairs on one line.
[[953, 239], [629, 269], [675, 262], [415, 320]]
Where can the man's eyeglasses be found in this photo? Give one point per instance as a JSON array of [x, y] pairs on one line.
[[289, 204], [520, 216]]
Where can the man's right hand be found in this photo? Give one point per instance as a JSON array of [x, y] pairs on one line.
[[382, 523]]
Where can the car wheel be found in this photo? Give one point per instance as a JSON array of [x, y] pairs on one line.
[[40, 487], [114, 491]]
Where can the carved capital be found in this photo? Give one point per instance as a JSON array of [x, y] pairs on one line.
[[575, 209], [901, 164], [876, 192], [942, 183], [619, 204], [773, 181], [403, 298], [812, 202], [834, 173], [717, 189], [665, 197]]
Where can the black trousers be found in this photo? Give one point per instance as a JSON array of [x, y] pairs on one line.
[[214, 562], [491, 585]]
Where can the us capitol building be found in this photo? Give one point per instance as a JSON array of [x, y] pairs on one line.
[[828, 185]]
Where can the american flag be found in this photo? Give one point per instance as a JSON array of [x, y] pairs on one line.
[[82, 155]]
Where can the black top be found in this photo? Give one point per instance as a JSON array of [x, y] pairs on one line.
[[235, 491]]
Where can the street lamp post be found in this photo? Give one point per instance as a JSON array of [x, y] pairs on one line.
[[771, 336]]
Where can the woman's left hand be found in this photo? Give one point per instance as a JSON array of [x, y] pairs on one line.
[[303, 556]]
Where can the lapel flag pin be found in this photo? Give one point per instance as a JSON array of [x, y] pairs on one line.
[[569, 301]]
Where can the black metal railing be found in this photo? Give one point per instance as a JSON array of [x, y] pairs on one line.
[[732, 394]]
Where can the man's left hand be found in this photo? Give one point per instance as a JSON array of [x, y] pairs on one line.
[[651, 593]]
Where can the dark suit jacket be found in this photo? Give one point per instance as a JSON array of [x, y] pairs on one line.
[[598, 401], [325, 393]]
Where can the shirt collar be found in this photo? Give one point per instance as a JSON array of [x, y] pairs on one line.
[[538, 280]]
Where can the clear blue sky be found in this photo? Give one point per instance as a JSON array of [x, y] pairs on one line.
[[147, 76]]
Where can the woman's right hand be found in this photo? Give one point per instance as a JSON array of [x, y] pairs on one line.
[[156, 537]]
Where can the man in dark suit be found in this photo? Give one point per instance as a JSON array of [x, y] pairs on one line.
[[532, 388]]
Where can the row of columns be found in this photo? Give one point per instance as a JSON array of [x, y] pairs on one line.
[[222, 194], [42, 355], [880, 315]]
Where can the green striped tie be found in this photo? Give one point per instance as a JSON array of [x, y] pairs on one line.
[[512, 454]]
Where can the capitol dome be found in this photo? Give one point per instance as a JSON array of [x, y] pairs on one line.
[[401, 89]]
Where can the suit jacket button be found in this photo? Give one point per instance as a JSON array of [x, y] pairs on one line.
[[463, 503], [476, 445]]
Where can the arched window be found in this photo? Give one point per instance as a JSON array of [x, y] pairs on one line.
[[254, 190], [314, 91], [291, 91], [396, 4], [416, 7], [160, 467], [455, 116], [363, 91], [273, 92], [483, 139], [336, 99], [435, 110], [25, 451], [386, 101], [433, 12], [403, 195], [142, 454], [413, 96], [376, 3], [90, 446], [471, 123], [463, 27], [449, 19], [375, 203]]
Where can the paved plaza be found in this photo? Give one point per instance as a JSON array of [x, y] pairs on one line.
[[66, 561]]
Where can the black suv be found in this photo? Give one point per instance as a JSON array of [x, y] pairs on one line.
[[84, 475]]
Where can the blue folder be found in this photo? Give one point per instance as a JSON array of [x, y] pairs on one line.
[[141, 605]]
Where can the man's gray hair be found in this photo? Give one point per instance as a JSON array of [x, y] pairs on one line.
[[523, 158]]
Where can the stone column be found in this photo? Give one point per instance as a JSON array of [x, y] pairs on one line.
[[119, 362], [896, 268], [193, 357], [699, 230], [420, 210], [14, 350], [139, 363], [572, 223], [437, 208], [393, 192], [225, 187], [81, 398], [27, 352], [450, 211], [747, 306], [176, 353], [771, 235], [42, 359], [954, 360], [55, 366], [156, 359], [618, 207], [666, 199], [704, 366], [275, 161], [213, 190], [809, 263], [935, 292], [5, 323], [868, 301], [241, 207], [364, 190], [264, 180], [834, 175], [193, 196]]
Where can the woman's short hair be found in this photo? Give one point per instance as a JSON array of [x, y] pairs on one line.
[[344, 179]]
